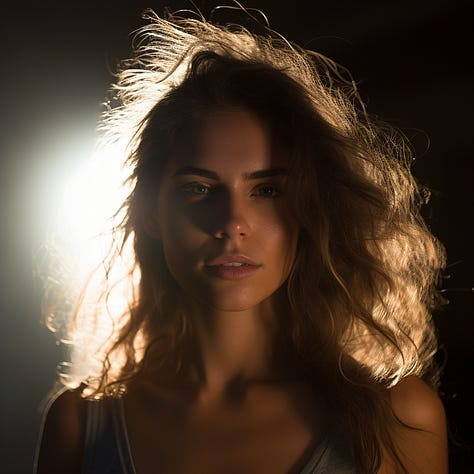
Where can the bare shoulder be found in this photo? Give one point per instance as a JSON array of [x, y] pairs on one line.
[[61, 440], [418, 405], [422, 444]]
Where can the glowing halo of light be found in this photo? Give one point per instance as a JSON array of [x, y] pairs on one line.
[[92, 196], [87, 296]]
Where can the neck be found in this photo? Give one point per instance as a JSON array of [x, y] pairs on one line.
[[233, 346], [231, 350]]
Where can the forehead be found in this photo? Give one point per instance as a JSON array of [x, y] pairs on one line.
[[231, 140]]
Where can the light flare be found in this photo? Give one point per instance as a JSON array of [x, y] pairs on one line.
[[87, 241]]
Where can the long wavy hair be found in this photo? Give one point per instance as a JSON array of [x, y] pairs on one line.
[[359, 298]]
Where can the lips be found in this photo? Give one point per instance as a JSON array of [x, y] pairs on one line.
[[232, 267], [231, 259]]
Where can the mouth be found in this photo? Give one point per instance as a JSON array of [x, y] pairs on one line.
[[232, 271], [232, 260], [232, 267], [236, 264]]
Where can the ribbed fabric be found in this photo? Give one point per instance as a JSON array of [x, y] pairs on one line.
[[107, 450]]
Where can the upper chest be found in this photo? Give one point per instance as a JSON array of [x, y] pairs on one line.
[[271, 431]]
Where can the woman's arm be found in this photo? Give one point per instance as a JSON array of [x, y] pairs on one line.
[[423, 450], [61, 441]]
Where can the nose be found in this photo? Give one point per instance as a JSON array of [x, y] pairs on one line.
[[234, 222]]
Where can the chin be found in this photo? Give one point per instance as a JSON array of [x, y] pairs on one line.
[[225, 297], [233, 303], [231, 306]]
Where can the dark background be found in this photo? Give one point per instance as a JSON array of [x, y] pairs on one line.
[[412, 61]]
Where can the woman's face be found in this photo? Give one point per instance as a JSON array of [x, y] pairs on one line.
[[223, 216]]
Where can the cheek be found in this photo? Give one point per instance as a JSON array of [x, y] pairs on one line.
[[184, 245], [279, 240], [179, 261], [177, 232], [181, 241]]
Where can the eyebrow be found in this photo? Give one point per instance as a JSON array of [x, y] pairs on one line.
[[197, 171], [266, 173]]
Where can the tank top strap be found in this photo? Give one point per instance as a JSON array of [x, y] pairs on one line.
[[331, 456], [106, 446]]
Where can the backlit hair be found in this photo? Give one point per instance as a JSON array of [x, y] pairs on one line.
[[359, 297]]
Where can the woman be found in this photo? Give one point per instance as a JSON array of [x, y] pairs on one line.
[[281, 279]]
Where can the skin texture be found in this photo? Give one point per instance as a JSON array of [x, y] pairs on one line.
[[225, 198], [241, 411], [61, 446], [227, 209], [424, 451]]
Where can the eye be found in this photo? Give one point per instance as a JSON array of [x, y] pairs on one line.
[[267, 191], [196, 189]]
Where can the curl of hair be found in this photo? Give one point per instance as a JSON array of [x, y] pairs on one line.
[[362, 287]]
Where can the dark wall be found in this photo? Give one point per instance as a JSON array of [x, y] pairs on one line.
[[413, 63]]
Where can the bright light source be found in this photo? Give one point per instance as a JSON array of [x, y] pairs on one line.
[[87, 207], [91, 198]]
